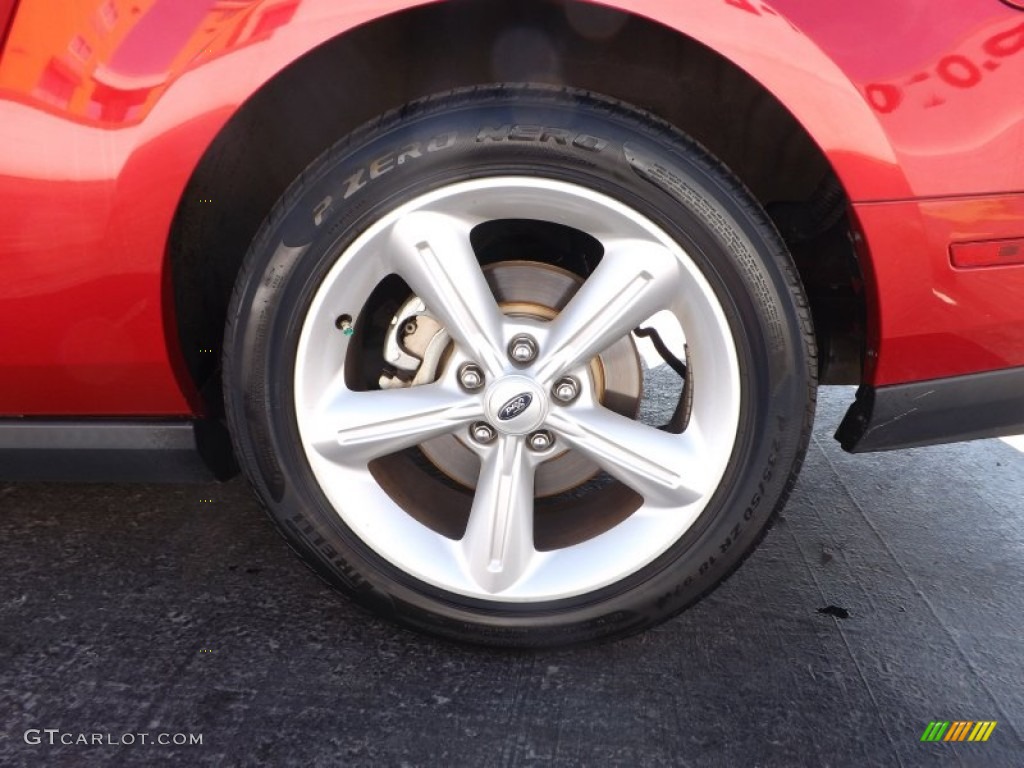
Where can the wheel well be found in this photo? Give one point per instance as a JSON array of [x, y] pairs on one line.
[[382, 65]]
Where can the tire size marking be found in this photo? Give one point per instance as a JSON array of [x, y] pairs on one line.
[[748, 514], [755, 500]]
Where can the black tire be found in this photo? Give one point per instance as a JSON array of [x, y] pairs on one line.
[[621, 152]]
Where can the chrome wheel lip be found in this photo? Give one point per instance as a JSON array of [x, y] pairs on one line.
[[441, 562]]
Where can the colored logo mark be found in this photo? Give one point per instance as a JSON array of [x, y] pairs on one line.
[[958, 730], [515, 406]]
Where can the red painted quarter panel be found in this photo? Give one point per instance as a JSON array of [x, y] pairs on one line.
[[933, 319], [106, 107], [103, 117]]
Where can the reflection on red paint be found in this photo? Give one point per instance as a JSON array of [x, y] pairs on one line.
[[83, 225], [110, 61], [757, 9], [955, 70], [743, 5]]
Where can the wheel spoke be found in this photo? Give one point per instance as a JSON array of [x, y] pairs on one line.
[[664, 468], [432, 252], [656, 485], [498, 544], [634, 280], [360, 426]]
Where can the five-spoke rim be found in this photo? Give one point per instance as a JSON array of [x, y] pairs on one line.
[[427, 243]]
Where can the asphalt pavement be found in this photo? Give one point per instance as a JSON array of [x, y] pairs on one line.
[[889, 595]]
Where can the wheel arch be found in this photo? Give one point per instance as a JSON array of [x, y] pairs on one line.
[[641, 57]]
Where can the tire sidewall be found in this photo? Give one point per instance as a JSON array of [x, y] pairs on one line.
[[581, 139]]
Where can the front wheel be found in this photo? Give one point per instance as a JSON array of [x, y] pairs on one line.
[[520, 366]]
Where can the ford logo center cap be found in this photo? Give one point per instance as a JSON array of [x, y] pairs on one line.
[[515, 406]]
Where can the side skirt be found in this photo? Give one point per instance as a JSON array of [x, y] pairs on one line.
[[937, 411], [114, 450]]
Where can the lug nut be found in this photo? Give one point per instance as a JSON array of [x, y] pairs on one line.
[[541, 440], [522, 348], [482, 432], [566, 389], [471, 377]]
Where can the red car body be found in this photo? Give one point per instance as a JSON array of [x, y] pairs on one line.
[[108, 107]]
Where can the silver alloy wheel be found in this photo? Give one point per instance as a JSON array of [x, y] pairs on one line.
[[427, 243]]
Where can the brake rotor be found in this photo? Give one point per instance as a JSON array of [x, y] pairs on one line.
[[540, 291]]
